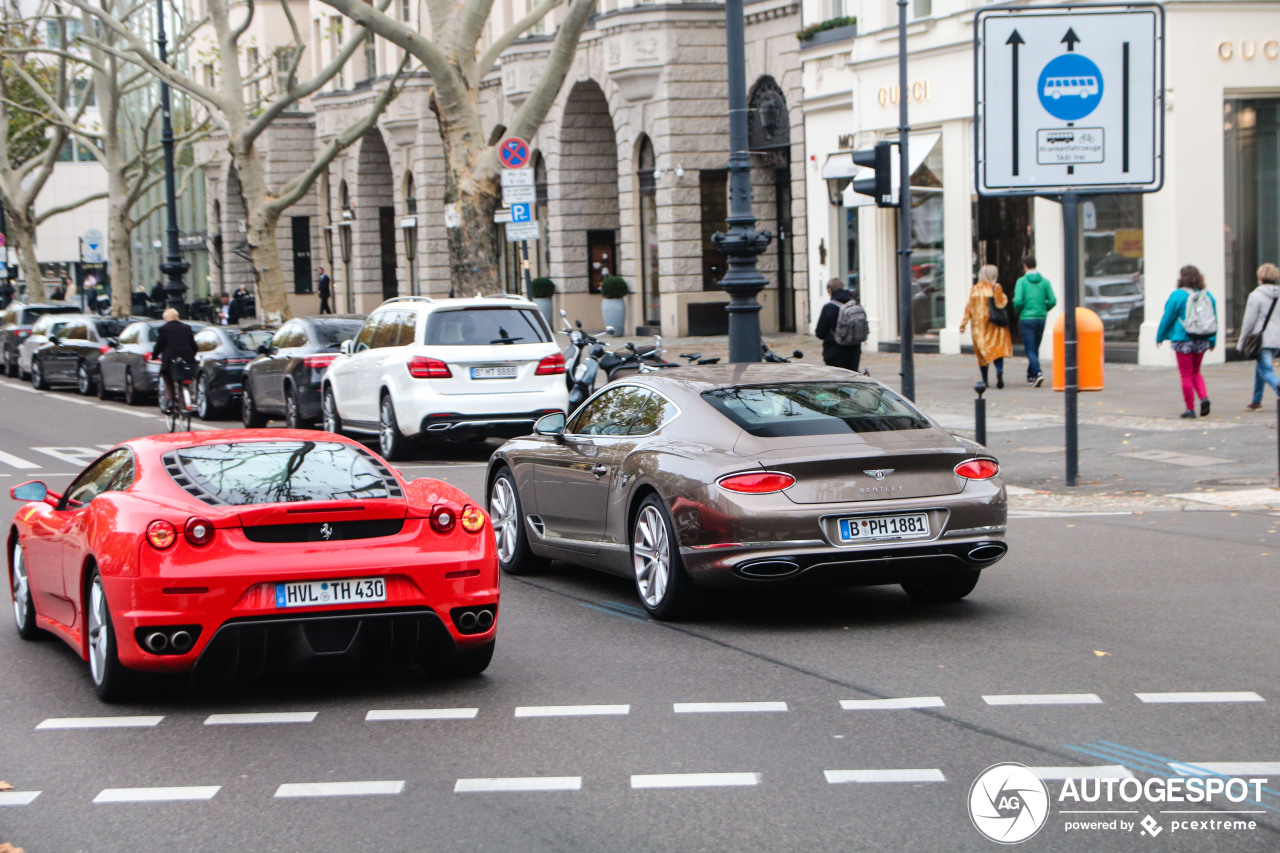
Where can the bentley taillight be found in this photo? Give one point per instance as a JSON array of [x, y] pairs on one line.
[[161, 535], [978, 469], [757, 482]]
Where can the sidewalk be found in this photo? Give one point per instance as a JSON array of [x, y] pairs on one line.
[[1136, 453]]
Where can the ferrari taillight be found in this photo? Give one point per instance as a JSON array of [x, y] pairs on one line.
[[199, 531], [421, 367], [552, 364], [443, 518], [758, 482], [161, 535], [472, 519], [978, 469]]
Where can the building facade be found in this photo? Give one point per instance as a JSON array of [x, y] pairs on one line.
[[1218, 208]]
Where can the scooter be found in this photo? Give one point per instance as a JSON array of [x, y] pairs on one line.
[[629, 360], [579, 342], [771, 356]]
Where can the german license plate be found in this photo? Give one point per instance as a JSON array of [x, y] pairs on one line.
[[493, 372], [318, 593], [867, 528]]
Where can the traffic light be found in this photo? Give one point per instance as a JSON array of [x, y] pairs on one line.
[[881, 187]]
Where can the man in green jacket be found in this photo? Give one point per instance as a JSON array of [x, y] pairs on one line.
[[1032, 299]]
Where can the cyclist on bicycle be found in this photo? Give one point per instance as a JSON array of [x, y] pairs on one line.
[[174, 342]]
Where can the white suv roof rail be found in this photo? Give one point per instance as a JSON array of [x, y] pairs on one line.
[[408, 299], [515, 296]]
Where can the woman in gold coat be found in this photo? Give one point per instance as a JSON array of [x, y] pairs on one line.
[[990, 342]]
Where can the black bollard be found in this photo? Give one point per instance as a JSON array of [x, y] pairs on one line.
[[980, 414]]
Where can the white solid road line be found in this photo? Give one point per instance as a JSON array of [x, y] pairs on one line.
[[572, 710], [99, 723], [695, 780], [255, 719], [518, 783], [1100, 771], [726, 707], [924, 774], [1043, 699], [1270, 769], [156, 795], [1201, 696], [421, 714], [17, 798], [892, 704], [16, 461], [339, 789]]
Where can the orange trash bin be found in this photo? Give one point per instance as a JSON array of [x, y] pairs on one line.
[[1089, 346]]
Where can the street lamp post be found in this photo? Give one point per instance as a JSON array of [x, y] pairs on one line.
[[344, 246], [906, 321], [174, 267], [742, 243]]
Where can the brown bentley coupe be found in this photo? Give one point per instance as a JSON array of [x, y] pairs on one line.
[[750, 475]]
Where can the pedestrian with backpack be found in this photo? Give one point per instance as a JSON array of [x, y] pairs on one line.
[[1190, 324], [1033, 299], [842, 325]]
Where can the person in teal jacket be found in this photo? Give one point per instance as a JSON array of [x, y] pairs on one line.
[[1190, 349], [1033, 299]]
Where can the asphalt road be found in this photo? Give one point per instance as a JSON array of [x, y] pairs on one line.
[[1134, 642]]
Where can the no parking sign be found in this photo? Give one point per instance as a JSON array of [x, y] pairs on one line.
[[514, 152]]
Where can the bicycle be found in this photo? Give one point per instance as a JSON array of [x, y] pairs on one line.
[[179, 409]]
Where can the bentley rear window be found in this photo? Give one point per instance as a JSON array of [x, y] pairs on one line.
[[261, 472], [815, 408]]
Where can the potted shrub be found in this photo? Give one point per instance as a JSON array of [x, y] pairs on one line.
[[542, 289], [613, 305]]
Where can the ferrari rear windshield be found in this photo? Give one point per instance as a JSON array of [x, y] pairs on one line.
[[261, 472], [814, 408]]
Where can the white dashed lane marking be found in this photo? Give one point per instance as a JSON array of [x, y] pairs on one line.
[[929, 774], [518, 783], [99, 723], [1101, 771], [695, 780], [1202, 696], [258, 719], [157, 795], [892, 704], [421, 714], [572, 710], [339, 789], [16, 461], [727, 707], [17, 798], [1043, 699]]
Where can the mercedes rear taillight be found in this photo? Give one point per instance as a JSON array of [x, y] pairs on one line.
[[550, 365], [421, 367]]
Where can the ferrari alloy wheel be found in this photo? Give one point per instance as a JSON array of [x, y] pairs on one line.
[[84, 380], [393, 445], [939, 589], [664, 588], [24, 609], [37, 376], [132, 396], [329, 409], [110, 677], [507, 518], [249, 414]]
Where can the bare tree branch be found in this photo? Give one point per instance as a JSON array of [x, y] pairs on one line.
[[490, 57]]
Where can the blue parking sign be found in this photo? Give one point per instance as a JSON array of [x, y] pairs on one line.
[[521, 212]]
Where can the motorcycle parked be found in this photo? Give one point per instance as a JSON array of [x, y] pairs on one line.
[[629, 360], [581, 360]]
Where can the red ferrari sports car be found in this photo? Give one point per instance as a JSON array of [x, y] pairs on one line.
[[241, 552]]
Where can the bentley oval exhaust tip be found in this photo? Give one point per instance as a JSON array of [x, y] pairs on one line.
[[156, 642], [987, 553], [467, 621], [484, 619], [769, 569], [181, 641]]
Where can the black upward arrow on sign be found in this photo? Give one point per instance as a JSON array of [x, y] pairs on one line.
[[1070, 40], [1015, 39]]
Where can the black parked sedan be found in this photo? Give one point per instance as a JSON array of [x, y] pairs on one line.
[[284, 380], [223, 352], [128, 367], [72, 357], [16, 322]]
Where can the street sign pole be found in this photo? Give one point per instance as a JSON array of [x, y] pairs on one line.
[[1071, 292], [906, 323], [519, 192]]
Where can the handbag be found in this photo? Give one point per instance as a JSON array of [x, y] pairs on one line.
[[1253, 341], [996, 315]]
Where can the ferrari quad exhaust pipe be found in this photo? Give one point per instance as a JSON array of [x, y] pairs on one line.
[[181, 641], [484, 619], [467, 621], [157, 642]]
